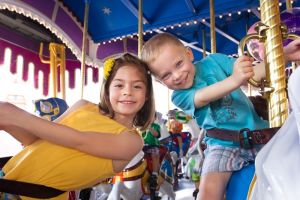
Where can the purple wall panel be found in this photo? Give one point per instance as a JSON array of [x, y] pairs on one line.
[[45, 7], [66, 23], [29, 56], [105, 50]]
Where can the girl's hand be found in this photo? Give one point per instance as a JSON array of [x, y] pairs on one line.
[[243, 69]]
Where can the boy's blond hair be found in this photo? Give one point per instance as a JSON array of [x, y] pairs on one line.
[[151, 48]]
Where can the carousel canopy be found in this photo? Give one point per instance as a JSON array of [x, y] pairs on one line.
[[113, 24], [110, 20]]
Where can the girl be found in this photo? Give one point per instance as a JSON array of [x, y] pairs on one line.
[[88, 143]]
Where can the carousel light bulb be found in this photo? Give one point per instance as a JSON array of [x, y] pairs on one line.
[[239, 12]]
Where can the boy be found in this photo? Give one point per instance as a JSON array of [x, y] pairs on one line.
[[210, 91]]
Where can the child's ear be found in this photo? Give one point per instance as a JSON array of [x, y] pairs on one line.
[[189, 53]]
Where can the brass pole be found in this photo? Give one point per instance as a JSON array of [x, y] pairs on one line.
[[249, 85], [140, 28], [85, 27], [289, 7], [62, 71], [53, 69], [204, 42], [275, 64], [57, 59], [288, 4], [212, 26]]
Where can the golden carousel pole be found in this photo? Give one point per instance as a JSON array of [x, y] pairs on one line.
[[288, 4], [271, 32], [212, 26], [289, 7], [83, 55], [204, 42], [57, 59], [275, 63], [140, 28]]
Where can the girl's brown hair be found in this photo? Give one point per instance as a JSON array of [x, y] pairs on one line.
[[144, 117]]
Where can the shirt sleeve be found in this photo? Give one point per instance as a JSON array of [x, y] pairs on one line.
[[184, 99], [225, 62]]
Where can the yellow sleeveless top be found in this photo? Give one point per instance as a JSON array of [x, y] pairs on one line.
[[64, 168]]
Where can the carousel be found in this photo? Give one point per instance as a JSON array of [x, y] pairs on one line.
[[52, 54]]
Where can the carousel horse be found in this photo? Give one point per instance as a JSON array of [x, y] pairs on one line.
[[134, 181], [173, 147], [195, 157], [240, 181]]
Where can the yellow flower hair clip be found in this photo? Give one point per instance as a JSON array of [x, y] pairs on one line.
[[107, 67]]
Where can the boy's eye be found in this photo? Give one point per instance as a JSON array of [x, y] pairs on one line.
[[166, 76], [179, 63]]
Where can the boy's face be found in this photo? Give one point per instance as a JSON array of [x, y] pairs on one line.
[[173, 67]]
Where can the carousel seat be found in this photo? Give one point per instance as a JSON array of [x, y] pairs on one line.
[[26, 189]]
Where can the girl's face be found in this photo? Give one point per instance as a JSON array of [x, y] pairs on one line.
[[127, 92]]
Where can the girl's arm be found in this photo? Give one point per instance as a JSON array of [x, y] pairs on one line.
[[242, 71], [97, 144], [27, 138]]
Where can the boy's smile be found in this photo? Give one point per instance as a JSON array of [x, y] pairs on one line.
[[173, 67]]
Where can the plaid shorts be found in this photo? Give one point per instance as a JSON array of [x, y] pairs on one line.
[[227, 159]]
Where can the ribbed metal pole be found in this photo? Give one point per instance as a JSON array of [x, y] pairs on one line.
[[212, 27], [288, 4], [63, 71], [85, 28], [140, 28], [275, 64], [204, 42]]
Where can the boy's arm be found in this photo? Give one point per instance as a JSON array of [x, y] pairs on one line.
[[242, 71]]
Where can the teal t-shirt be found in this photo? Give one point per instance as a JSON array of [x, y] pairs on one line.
[[234, 111]]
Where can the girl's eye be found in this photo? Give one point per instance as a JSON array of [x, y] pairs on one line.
[[118, 85], [138, 86]]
